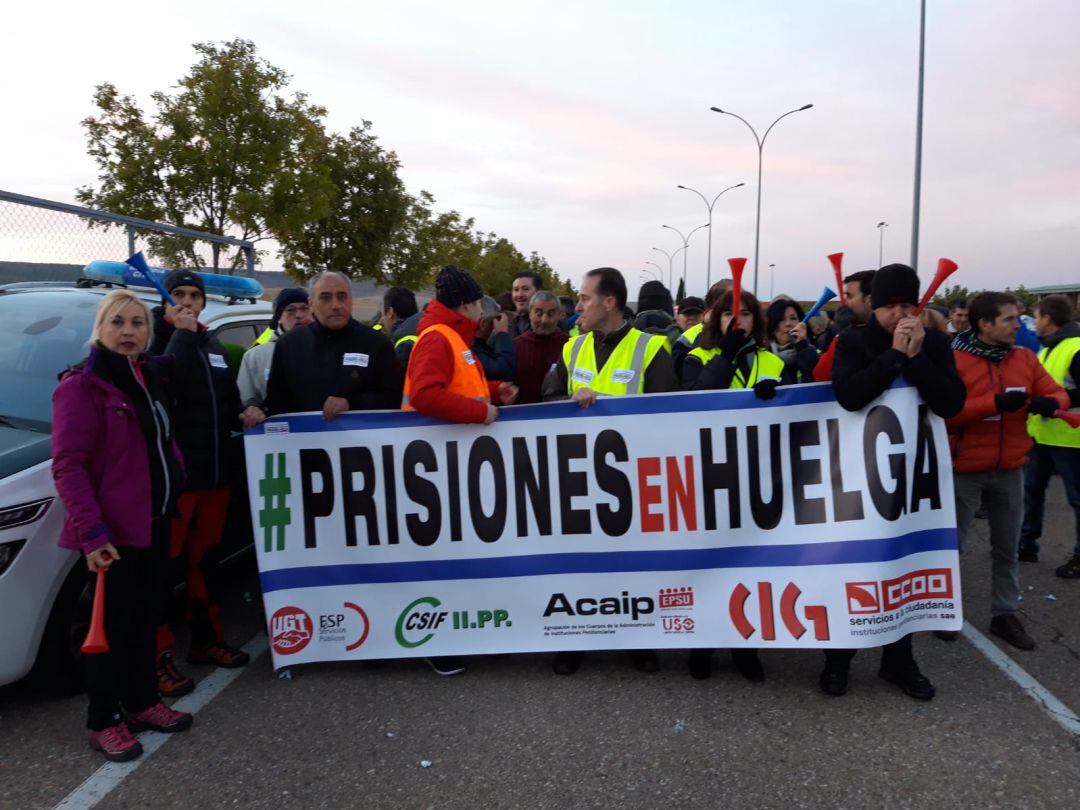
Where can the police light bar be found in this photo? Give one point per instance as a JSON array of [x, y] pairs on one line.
[[216, 283]]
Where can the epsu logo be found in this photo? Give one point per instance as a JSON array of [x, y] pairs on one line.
[[290, 630], [891, 594]]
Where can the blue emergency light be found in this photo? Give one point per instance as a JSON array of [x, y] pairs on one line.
[[216, 283]]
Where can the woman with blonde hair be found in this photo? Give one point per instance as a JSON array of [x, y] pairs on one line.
[[117, 471]]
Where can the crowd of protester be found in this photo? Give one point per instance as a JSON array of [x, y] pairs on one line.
[[142, 426]]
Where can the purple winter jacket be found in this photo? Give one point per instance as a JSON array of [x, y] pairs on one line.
[[99, 464]]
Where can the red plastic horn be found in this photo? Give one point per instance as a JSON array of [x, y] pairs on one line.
[[837, 260], [96, 642], [737, 266], [945, 268], [1068, 416]]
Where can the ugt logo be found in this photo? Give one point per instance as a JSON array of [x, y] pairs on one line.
[[290, 630], [817, 615]]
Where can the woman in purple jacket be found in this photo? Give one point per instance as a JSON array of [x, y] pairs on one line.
[[117, 471]]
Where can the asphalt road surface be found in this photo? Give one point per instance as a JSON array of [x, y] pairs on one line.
[[508, 733]]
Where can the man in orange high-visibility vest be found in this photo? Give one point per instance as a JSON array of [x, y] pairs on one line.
[[445, 380]]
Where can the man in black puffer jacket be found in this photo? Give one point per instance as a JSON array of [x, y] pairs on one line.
[[868, 360], [206, 412], [334, 364]]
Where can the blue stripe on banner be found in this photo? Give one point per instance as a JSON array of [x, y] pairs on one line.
[[848, 551], [605, 408]]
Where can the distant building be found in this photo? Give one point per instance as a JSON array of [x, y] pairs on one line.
[[1071, 290]]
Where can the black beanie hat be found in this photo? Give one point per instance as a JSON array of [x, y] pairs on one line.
[[654, 295], [184, 278], [894, 284], [454, 287], [289, 295]]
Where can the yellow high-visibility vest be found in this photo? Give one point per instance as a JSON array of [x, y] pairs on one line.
[[1057, 432], [766, 366], [624, 371]]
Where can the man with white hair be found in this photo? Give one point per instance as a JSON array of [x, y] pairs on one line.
[[335, 363]]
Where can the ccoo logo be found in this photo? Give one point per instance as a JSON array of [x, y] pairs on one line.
[[290, 630]]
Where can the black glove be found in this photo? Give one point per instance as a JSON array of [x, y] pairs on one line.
[[1043, 406], [1010, 401], [765, 389], [732, 343]]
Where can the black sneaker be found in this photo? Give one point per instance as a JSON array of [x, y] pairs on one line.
[[1008, 627], [1071, 568], [910, 680], [1028, 555], [644, 660], [834, 679], [748, 664], [701, 664], [566, 663], [446, 665]]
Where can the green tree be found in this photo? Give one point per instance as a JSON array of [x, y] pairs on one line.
[[681, 294], [368, 206], [425, 242], [224, 153], [949, 295]]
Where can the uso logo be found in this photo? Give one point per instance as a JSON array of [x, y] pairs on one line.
[[290, 630]]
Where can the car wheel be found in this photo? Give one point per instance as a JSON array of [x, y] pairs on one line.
[[58, 668]]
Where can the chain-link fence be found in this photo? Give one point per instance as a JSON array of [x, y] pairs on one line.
[[43, 240]]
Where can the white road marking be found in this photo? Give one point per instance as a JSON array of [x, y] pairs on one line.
[[1058, 711], [106, 778]]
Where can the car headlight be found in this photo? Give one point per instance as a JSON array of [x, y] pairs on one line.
[[8, 552], [23, 513]]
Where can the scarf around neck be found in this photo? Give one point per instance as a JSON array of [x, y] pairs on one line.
[[967, 342]]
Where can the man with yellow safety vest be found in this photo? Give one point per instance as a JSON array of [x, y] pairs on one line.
[[609, 358], [1057, 444]]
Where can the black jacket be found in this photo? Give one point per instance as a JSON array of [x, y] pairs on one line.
[[498, 356], [866, 364], [206, 402], [312, 363]]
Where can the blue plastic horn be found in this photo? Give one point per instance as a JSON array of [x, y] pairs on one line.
[[138, 263], [826, 296]]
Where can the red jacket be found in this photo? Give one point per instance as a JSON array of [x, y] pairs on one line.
[[823, 369], [431, 367], [983, 440]]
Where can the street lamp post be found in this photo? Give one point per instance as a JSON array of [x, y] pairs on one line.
[[685, 247], [772, 277], [660, 269], [918, 140], [670, 259], [881, 226], [709, 205], [761, 146]]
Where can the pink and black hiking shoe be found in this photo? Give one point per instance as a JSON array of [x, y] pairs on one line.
[[116, 743], [159, 718]]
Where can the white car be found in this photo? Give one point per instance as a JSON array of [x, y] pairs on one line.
[[44, 598]]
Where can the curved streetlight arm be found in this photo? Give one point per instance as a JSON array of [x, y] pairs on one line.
[[698, 228], [704, 199], [680, 233], [722, 193], [748, 124], [778, 120]]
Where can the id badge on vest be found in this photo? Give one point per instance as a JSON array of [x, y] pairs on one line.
[[582, 376], [622, 375]]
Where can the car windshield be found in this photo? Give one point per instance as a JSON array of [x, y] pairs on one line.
[[41, 334]]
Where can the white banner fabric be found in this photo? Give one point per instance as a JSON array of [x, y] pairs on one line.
[[703, 519]]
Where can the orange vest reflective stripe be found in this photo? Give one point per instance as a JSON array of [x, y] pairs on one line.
[[468, 380]]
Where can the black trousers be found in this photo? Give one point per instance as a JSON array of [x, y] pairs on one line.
[[124, 678], [895, 654]]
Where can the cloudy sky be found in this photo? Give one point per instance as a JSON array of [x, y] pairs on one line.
[[566, 126]]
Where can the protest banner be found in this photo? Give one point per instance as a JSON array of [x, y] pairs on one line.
[[701, 519]]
